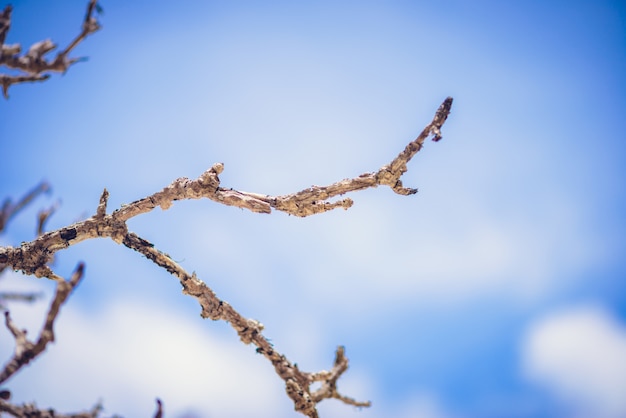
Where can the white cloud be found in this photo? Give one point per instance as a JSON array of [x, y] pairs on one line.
[[580, 355]]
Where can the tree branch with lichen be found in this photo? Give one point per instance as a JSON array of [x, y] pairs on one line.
[[33, 257]]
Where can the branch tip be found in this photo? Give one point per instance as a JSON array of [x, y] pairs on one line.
[[440, 117], [159, 411], [43, 216], [102, 206], [217, 168], [78, 274]]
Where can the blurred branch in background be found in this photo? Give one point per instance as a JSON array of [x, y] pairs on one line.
[[9, 210], [32, 65]]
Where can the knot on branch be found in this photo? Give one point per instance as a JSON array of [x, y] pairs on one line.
[[389, 176], [212, 306], [385, 176], [111, 225], [250, 331], [209, 179], [91, 25]]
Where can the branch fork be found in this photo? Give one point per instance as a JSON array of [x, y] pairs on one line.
[[32, 258]]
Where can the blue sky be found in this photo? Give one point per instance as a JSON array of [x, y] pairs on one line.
[[497, 290]]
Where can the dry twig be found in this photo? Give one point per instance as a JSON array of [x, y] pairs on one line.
[[43, 216], [9, 210], [28, 297], [159, 411], [33, 63], [32, 257]]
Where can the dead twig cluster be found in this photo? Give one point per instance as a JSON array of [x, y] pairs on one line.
[[32, 65], [33, 258]]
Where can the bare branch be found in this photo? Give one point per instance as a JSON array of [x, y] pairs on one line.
[[43, 216], [329, 379], [313, 200], [90, 25], [7, 80], [5, 24], [28, 297], [26, 350], [32, 257], [249, 330], [9, 210], [102, 206], [34, 62], [159, 411]]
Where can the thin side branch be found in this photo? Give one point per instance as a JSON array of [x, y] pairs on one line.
[[7, 80], [33, 62], [159, 411], [43, 216], [297, 382], [329, 381], [9, 210], [28, 297]]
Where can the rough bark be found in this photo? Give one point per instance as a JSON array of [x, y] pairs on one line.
[[33, 258]]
